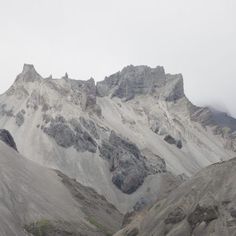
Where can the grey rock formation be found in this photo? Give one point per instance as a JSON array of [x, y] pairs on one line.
[[88, 95], [174, 88], [7, 138], [203, 214], [169, 139], [90, 126], [176, 216], [20, 118], [126, 163], [29, 74], [71, 133], [6, 112], [131, 81], [142, 80], [62, 133]]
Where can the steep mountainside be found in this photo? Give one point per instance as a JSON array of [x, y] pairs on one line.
[[128, 137], [40, 201], [202, 206]]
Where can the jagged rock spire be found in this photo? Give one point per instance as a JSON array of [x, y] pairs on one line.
[[28, 74]]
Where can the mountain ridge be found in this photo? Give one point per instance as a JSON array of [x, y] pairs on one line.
[[67, 125]]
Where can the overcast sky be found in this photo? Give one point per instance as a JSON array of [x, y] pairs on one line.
[[95, 38]]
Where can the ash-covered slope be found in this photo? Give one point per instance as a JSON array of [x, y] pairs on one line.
[[128, 137], [204, 205], [40, 201]]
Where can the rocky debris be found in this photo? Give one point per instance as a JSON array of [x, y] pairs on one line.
[[131, 81], [155, 127], [35, 100], [68, 134], [175, 216], [202, 214], [141, 204], [7, 138], [154, 163], [127, 165], [5, 112], [169, 139], [20, 118]]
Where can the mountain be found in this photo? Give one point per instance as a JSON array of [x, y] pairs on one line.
[[204, 205], [40, 201], [132, 137]]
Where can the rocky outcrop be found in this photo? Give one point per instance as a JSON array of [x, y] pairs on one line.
[[176, 216], [29, 74], [169, 139], [174, 89], [131, 81], [142, 80], [6, 137], [20, 118], [89, 95], [70, 133], [127, 165], [203, 214]]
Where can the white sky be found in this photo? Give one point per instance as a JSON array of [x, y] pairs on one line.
[[98, 37]]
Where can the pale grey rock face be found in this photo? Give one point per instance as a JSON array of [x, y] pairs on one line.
[[89, 95], [177, 89], [7, 138], [131, 81], [29, 74]]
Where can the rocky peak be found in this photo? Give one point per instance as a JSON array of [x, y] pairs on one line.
[[141, 80], [28, 74], [174, 88]]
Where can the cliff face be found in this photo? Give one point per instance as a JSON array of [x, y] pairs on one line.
[[124, 137], [141, 80]]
